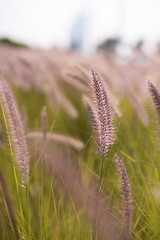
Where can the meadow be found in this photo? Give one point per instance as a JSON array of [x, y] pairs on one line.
[[79, 145]]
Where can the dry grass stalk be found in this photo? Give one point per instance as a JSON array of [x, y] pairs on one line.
[[44, 122], [127, 197], [16, 130], [8, 201]]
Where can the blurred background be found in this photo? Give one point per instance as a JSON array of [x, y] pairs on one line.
[[82, 24]]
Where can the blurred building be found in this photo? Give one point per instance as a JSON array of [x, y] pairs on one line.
[[78, 33]]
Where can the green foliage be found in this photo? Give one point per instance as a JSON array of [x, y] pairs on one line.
[[12, 43]]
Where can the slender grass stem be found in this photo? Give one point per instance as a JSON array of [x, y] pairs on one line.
[[101, 174]]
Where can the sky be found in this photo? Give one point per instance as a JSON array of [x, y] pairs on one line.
[[46, 23]]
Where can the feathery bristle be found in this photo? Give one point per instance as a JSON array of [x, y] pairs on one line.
[[127, 197], [93, 117], [16, 130], [155, 97], [105, 128]]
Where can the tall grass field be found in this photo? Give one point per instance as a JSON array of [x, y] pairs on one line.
[[79, 145]]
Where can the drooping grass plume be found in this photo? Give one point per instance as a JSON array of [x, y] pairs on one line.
[[155, 97], [127, 197], [77, 144], [76, 81], [84, 74], [105, 122], [16, 130], [84, 197], [124, 77]]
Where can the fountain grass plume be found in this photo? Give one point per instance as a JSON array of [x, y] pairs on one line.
[[155, 97], [15, 129], [105, 122], [127, 197]]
